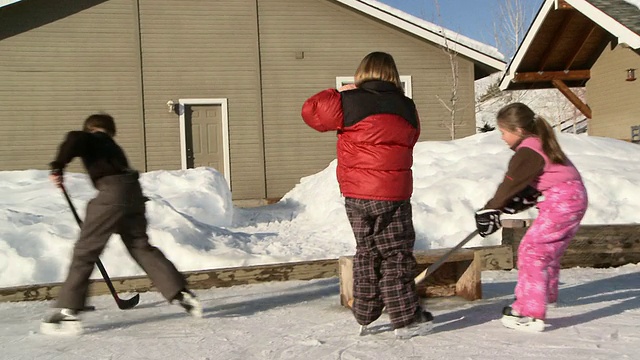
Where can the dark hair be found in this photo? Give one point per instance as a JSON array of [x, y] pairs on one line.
[[519, 116], [100, 121], [378, 66]]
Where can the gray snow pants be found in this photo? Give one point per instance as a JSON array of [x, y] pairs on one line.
[[118, 208]]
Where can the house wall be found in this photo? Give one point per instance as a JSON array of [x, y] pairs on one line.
[[129, 57], [59, 64], [334, 39], [204, 49], [614, 101]]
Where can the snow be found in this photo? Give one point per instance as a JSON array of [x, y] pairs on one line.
[[548, 103], [598, 319], [634, 2], [193, 221]]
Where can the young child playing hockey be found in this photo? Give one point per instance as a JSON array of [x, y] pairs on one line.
[[118, 208], [377, 128], [538, 165]]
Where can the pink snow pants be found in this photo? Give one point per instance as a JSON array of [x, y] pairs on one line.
[[544, 244]]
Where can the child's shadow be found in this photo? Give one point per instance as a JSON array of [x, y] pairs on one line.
[[623, 289], [477, 312]]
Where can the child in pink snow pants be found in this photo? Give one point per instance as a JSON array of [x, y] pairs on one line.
[[543, 245], [538, 167]]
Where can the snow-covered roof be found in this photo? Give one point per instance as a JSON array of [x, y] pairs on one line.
[[7, 2], [463, 45]]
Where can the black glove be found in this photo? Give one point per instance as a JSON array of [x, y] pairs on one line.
[[522, 201], [487, 221]]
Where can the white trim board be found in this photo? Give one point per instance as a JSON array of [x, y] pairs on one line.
[[4, 3], [225, 132], [623, 33], [472, 49], [509, 74]]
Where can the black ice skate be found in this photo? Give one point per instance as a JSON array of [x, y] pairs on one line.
[[62, 322], [188, 301]]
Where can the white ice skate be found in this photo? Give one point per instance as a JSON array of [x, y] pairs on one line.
[[63, 322], [422, 325], [512, 320]]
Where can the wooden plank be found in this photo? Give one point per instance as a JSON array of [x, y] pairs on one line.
[[345, 269], [573, 98], [593, 245], [499, 257], [205, 279], [540, 76], [469, 285], [458, 276]]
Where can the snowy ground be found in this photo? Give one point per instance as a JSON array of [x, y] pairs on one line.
[[598, 319]]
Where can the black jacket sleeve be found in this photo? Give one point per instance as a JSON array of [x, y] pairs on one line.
[[74, 145]]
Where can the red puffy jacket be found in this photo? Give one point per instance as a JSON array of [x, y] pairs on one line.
[[377, 129]]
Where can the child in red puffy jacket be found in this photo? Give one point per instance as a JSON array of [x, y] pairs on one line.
[[377, 128]]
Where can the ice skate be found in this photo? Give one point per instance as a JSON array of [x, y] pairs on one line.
[[512, 320], [62, 322], [363, 330], [422, 325], [190, 303]]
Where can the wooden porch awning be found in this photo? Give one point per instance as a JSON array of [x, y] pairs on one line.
[[563, 43]]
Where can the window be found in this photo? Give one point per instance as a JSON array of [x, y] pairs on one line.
[[404, 79]]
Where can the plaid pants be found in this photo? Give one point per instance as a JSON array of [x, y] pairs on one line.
[[384, 265]]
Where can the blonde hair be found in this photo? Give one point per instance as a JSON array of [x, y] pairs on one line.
[[519, 116], [378, 66]]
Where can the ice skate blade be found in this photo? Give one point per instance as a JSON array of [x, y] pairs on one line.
[[421, 329], [523, 324], [63, 328]]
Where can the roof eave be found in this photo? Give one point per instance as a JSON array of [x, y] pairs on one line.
[[624, 34], [421, 32], [509, 74]]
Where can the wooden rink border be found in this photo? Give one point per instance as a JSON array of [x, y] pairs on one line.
[[593, 246], [492, 258]]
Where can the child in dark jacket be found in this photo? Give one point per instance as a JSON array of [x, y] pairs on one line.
[[118, 208], [377, 127], [538, 166]]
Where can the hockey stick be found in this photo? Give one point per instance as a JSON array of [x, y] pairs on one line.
[[433, 267], [123, 304]]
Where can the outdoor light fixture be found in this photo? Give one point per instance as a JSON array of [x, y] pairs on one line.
[[631, 74]]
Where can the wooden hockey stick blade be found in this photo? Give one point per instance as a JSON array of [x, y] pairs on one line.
[[433, 267]]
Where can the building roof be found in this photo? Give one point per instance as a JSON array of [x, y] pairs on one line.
[[487, 59], [566, 38]]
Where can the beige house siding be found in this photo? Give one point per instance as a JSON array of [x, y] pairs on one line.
[[57, 66], [318, 28], [201, 49], [614, 101], [130, 57]]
